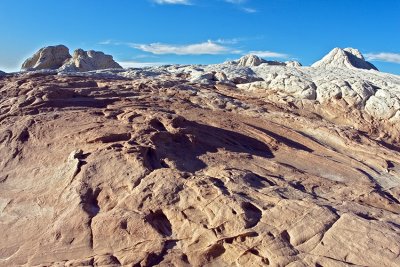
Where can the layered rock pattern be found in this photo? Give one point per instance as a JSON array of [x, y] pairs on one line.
[[150, 168]]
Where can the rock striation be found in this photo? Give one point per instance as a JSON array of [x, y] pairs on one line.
[[58, 58], [50, 57], [344, 58]]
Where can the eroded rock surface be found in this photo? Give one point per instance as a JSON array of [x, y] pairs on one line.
[[145, 167]]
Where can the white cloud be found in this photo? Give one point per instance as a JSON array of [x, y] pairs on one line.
[[227, 41], [249, 10], [106, 42], [269, 54], [134, 64], [172, 2], [205, 48], [386, 57], [235, 1]]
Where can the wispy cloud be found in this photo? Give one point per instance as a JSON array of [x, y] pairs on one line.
[[172, 2], [386, 57], [236, 1], [205, 48], [240, 3], [269, 54], [110, 42], [221, 46], [249, 10], [228, 41]]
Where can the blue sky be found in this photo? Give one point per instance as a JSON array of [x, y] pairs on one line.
[[202, 31]]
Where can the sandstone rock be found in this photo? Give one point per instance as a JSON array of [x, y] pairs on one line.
[[50, 57], [379, 243], [89, 61], [344, 58]]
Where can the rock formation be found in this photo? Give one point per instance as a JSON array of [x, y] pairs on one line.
[[58, 58], [90, 60], [254, 61], [2, 73], [218, 165], [49, 57], [293, 64], [250, 61], [344, 58]]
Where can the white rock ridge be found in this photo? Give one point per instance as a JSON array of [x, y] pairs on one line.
[[58, 58], [50, 57], [344, 58]]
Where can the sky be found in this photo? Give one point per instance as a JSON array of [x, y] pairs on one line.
[[151, 32]]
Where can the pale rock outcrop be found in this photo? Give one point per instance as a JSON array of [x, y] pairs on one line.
[[293, 64], [202, 77], [49, 57], [383, 105], [250, 61], [221, 76], [254, 61], [344, 58], [297, 86], [89, 61]]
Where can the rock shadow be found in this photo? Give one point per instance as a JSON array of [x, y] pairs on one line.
[[194, 140], [286, 141]]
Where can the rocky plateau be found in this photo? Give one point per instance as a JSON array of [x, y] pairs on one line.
[[243, 163]]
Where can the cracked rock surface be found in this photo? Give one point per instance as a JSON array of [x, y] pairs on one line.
[[151, 168]]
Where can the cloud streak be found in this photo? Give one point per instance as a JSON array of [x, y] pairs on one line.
[[219, 46], [172, 2], [385, 57], [205, 48], [269, 54], [241, 7], [236, 1]]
